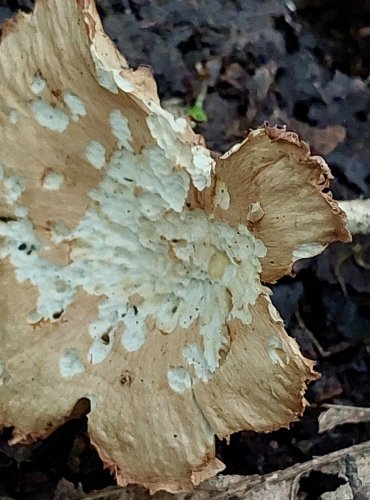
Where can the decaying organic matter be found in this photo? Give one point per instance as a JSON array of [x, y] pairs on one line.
[[132, 260], [358, 212]]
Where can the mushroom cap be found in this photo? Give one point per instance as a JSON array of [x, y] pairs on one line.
[[131, 261]]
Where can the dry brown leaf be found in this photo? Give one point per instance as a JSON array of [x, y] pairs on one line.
[[129, 276], [351, 464], [66, 490], [340, 414]]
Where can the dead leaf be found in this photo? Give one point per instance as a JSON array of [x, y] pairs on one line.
[[352, 464], [340, 414], [65, 489]]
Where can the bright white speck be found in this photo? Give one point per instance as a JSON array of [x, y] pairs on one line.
[[291, 5], [53, 181], [95, 154], [70, 363], [49, 117], [13, 116], [121, 129], [38, 85], [179, 379], [75, 105], [14, 187]]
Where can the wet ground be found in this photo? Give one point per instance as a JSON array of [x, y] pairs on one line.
[[303, 64]]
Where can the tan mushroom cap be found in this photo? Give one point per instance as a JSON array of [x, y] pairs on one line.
[[128, 274], [281, 192]]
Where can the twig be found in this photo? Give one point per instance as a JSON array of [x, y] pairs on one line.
[[358, 213]]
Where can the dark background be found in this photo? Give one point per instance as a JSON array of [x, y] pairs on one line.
[[305, 64]]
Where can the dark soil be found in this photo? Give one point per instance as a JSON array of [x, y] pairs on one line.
[[307, 67]]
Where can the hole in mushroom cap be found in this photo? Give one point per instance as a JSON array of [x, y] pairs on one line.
[[58, 314], [105, 338], [81, 408]]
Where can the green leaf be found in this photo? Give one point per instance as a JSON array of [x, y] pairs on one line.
[[197, 113]]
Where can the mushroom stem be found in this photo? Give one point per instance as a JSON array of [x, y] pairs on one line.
[[358, 213]]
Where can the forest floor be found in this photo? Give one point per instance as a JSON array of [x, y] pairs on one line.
[[304, 65]]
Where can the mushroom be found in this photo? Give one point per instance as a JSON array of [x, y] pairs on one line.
[[133, 263]]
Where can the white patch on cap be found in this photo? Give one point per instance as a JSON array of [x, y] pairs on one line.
[[104, 75], [201, 167], [137, 239], [181, 124], [110, 78], [70, 363], [95, 154], [276, 352], [196, 160], [14, 185], [120, 129], [53, 181], [222, 197], [122, 82], [13, 116], [75, 105], [34, 317], [49, 117], [194, 356], [135, 331], [102, 331], [274, 312], [38, 85], [179, 379], [105, 79], [307, 250], [21, 212]]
